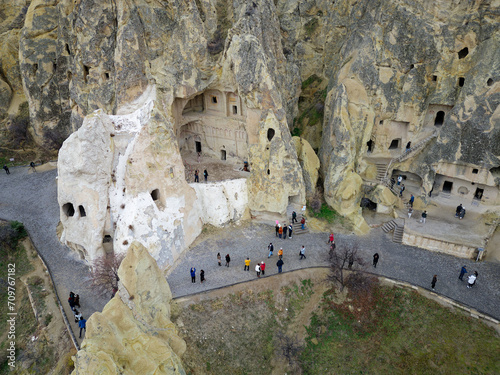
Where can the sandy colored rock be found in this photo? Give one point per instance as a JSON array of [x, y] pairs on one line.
[[133, 334], [309, 162]]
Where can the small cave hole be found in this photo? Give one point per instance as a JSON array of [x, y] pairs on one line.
[[70, 75], [155, 194], [235, 110], [394, 144], [67, 49], [82, 211], [214, 99], [370, 145], [475, 171], [434, 78], [68, 209], [381, 122], [412, 66], [107, 239], [270, 134], [35, 68], [463, 53], [447, 186], [478, 195], [268, 171], [54, 67], [461, 81], [106, 75], [222, 154], [489, 82], [86, 71], [439, 120]]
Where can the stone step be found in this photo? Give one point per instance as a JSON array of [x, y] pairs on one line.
[[390, 225], [398, 234]]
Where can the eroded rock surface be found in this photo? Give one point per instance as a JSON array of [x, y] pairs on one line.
[[133, 334]]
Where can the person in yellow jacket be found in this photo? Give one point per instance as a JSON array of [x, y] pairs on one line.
[[247, 265], [280, 253]]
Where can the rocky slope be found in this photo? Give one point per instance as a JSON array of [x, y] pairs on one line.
[[133, 334]]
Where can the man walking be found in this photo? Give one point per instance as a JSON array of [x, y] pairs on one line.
[[401, 191], [375, 259], [247, 265], [285, 229], [257, 269], [193, 274], [302, 253], [271, 249], [263, 268], [294, 217], [280, 253], [412, 199], [433, 282], [6, 169], [472, 280], [196, 176], [290, 230], [302, 222], [205, 174], [82, 325], [279, 264], [424, 216], [463, 271], [228, 259]]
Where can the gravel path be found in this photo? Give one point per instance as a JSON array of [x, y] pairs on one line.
[[406, 263], [31, 198]]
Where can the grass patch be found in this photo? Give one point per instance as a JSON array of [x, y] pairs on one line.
[[311, 26], [309, 81], [327, 213], [397, 332]]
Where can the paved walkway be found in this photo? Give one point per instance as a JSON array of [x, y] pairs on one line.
[[31, 198], [406, 263]]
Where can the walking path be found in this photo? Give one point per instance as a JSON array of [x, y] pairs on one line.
[[31, 198], [413, 265]]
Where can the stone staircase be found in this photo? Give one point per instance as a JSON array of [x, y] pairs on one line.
[[296, 226], [381, 171], [417, 147], [399, 230]]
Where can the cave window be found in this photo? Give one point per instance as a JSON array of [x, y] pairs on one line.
[[270, 134], [222, 154], [439, 118], [54, 67], [235, 110], [70, 75], [82, 211], [461, 81], [434, 78], [478, 194], [107, 239], [268, 171], [489, 82], [214, 99], [394, 144], [370, 145], [412, 66], [381, 122], [67, 49], [106, 75], [35, 68], [475, 171], [155, 194], [447, 186], [463, 53], [68, 209], [86, 71], [198, 146]]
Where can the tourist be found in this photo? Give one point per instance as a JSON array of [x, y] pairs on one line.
[[78, 315], [290, 230], [6, 169], [271, 249], [247, 265], [424, 216], [375, 259], [401, 191], [280, 231], [219, 260], [257, 269], [202, 276], [280, 253], [285, 229], [463, 271], [205, 174], [32, 166], [77, 300], [228, 259], [82, 325], [263, 268], [462, 214], [412, 199], [400, 179], [303, 223], [196, 176], [294, 217], [458, 210], [302, 253], [71, 300], [472, 280], [433, 282], [410, 211], [279, 264], [193, 274], [330, 238], [277, 228]]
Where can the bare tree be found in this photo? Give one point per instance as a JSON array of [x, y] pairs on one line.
[[104, 274], [341, 259], [289, 346]]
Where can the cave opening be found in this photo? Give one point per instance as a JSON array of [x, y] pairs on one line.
[[68, 209], [461, 81], [439, 120], [395, 144], [447, 186], [82, 211], [463, 53]]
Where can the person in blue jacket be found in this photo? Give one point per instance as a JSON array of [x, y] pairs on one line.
[[82, 325], [193, 274]]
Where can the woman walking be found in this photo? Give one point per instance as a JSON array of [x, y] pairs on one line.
[[219, 259]]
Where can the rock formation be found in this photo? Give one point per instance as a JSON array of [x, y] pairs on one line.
[[133, 334]]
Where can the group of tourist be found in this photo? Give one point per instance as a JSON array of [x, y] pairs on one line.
[[32, 167], [74, 300], [197, 175]]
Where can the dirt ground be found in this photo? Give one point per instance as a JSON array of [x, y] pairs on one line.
[[234, 329], [218, 170]]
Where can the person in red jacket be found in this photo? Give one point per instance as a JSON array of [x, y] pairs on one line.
[[263, 268], [330, 239]]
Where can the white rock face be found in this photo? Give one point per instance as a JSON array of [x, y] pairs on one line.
[[126, 173]]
